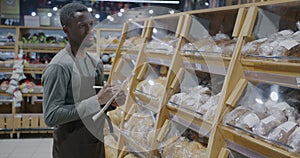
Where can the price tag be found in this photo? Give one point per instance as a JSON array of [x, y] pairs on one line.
[[298, 81], [198, 66]]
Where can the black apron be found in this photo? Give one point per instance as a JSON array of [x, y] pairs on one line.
[[73, 139]]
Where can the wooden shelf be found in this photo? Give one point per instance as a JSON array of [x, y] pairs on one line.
[[29, 70], [281, 73], [149, 101], [3, 93], [190, 120], [6, 69], [42, 50], [215, 64], [159, 58], [7, 48], [32, 94], [40, 28], [254, 144], [132, 145]]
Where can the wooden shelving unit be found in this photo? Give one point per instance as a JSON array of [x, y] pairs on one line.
[[252, 69], [236, 69]]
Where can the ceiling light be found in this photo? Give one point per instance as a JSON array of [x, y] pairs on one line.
[[55, 8], [33, 13], [151, 11], [97, 16], [49, 14]]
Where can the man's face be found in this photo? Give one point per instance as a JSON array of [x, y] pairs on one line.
[[80, 30]]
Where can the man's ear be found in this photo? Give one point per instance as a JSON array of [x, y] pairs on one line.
[[65, 29]]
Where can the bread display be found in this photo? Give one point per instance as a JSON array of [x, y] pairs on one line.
[[192, 98], [130, 155], [209, 108], [283, 43], [135, 41], [109, 42], [111, 147], [164, 45], [220, 44], [184, 148], [153, 87], [116, 115], [140, 128]]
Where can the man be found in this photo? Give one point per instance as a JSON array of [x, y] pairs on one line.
[[69, 99]]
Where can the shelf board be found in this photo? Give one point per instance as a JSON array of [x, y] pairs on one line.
[[159, 58], [130, 56], [40, 28], [254, 144], [190, 120], [3, 93], [274, 67], [6, 69], [42, 48], [215, 64], [30, 70], [148, 101], [136, 147], [32, 94], [281, 73], [108, 49], [7, 48]]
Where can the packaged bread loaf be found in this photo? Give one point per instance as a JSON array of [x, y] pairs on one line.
[[248, 121], [154, 87], [282, 132], [130, 155], [235, 115], [116, 115], [111, 147], [294, 141], [140, 127], [269, 123], [213, 100], [183, 148]]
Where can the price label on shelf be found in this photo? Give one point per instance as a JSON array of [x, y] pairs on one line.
[[198, 66], [298, 81]]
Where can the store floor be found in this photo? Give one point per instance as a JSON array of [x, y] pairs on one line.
[[26, 148]]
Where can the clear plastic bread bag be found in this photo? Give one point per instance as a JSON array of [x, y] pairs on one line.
[[294, 141], [282, 132]]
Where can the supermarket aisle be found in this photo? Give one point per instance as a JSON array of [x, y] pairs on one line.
[[26, 148]]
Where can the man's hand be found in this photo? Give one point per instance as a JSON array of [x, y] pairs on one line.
[[107, 92], [119, 100]]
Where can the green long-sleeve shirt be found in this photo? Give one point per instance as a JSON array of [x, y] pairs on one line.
[[61, 82]]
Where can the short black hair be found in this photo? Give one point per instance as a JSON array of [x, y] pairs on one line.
[[68, 10]]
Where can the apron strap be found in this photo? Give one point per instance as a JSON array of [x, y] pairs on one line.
[[110, 126]]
